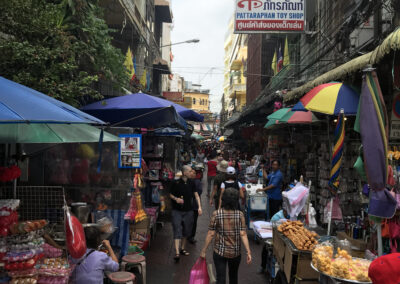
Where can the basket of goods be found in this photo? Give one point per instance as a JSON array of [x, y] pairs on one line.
[[302, 238]]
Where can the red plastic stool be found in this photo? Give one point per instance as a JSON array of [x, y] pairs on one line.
[[135, 260], [122, 277]]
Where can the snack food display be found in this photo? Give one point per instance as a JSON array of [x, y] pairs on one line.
[[322, 257], [343, 266], [302, 238]]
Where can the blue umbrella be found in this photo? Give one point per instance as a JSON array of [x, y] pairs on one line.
[[123, 108], [20, 104]]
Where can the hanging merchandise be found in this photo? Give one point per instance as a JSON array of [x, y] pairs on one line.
[[155, 195], [131, 214], [74, 235], [140, 214], [9, 173], [295, 200], [335, 212]]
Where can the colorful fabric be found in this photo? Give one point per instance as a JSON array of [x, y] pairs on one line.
[[371, 123], [227, 225], [337, 152]]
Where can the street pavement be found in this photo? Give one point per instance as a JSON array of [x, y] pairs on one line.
[[161, 267]]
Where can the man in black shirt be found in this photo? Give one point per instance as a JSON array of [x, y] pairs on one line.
[[182, 193]]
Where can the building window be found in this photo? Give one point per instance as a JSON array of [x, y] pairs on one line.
[[194, 101]]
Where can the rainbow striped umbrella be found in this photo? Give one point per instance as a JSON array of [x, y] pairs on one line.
[[329, 99], [337, 152]]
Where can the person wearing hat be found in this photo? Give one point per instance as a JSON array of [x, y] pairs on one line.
[[219, 178], [232, 182]]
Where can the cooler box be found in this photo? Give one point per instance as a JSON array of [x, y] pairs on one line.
[[257, 201]]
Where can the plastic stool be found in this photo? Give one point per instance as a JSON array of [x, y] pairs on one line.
[[135, 260], [122, 277]]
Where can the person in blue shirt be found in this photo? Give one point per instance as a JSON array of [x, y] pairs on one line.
[[274, 188]]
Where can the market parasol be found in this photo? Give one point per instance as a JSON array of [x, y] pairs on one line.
[[141, 110], [273, 118], [372, 124], [52, 133], [291, 117], [20, 104], [329, 99]]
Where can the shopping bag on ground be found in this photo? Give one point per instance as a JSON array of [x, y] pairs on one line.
[[199, 272]]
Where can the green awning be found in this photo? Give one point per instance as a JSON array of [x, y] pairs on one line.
[[52, 133]]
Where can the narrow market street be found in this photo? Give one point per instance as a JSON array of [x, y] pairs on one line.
[[162, 268], [121, 119]]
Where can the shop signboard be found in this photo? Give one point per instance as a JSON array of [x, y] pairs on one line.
[[269, 16], [130, 151], [395, 118]]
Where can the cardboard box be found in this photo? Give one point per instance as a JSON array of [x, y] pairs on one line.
[[304, 269], [359, 244]]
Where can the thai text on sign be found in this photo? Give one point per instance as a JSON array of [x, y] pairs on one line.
[[269, 16]]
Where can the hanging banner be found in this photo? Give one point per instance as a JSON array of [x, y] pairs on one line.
[[130, 151], [266, 16]]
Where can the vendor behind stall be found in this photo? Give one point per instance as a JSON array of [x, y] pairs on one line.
[[90, 268], [273, 188]]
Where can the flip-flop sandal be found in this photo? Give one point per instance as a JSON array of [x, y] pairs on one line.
[[176, 257], [184, 252]]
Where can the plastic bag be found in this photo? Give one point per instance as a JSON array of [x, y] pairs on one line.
[[199, 272], [296, 198], [75, 236]]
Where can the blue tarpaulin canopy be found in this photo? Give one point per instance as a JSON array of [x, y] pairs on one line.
[[140, 110], [20, 104]]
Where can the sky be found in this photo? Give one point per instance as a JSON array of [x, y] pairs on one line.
[[208, 21]]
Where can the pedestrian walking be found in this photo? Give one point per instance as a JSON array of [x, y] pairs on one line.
[[197, 176], [274, 188], [182, 193], [228, 228], [231, 182], [219, 178], [211, 172]]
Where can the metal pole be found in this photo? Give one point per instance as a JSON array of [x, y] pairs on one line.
[[331, 202]]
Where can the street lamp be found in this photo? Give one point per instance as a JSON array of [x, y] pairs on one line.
[[195, 40]]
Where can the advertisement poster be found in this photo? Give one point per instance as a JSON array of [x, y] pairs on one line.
[[266, 16], [130, 151]]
